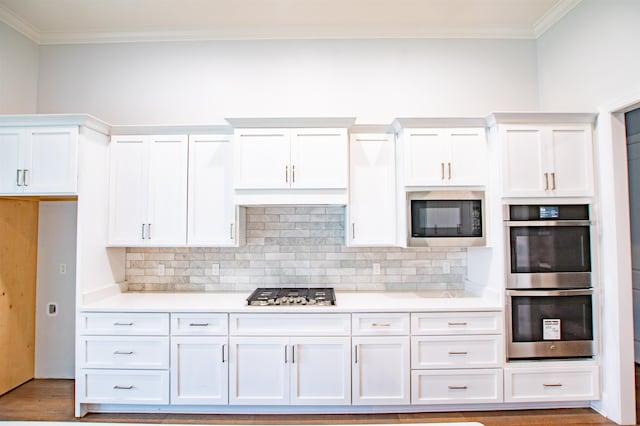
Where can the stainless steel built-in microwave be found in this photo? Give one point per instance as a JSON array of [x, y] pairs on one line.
[[445, 218]]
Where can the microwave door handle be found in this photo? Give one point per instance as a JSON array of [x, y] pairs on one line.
[[528, 223], [567, 292]]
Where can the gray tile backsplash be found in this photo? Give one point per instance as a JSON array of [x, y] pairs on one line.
[[295, 246]]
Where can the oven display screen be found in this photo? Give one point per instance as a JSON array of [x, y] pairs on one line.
[[549, 212]]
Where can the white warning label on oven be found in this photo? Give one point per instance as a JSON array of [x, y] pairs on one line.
[[550, 329]]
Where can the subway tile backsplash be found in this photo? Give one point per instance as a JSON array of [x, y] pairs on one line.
[[296, 246]]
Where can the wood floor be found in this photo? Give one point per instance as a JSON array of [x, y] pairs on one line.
[[52, 400]]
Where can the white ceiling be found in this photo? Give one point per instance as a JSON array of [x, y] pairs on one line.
[[87, 21]]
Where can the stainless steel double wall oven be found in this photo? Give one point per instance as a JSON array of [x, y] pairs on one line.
[[549, 281]]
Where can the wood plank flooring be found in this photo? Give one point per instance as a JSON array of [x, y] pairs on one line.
[[52, 400]]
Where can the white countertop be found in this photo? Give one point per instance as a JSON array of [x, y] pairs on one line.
[[392, 301]]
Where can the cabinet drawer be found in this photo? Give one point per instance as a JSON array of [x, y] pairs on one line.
[[290, 324], [552, 384], [380, 324], [94, 323], [456, 351], [199, 324], [124, 387], [456, 386], [128, 352], [443, 323]]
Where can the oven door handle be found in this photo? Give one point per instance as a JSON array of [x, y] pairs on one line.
[[527, 223], [564, 292]]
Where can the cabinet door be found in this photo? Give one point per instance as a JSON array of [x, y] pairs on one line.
[[10, 168], [572, 169], [426, 154], [468, 165], [211, 211], [259, 371], [372, 180], [321, 373], [199, 370], [381, 371], [262, 159], [167, 190], [50, 161], [319, 158], [524, 161], [127, 190]]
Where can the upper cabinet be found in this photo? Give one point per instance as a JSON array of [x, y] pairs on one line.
[[443, 156], [547, 159], [148, 190], [291, 158], [38, 160], [211, 210], [372, 193]]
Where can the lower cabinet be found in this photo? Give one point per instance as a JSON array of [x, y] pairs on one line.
[[199, 370], [456, 386], [124, 386], [289, 371], [538, 383], [381, 370]]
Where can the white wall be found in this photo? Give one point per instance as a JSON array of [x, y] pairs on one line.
[[55, 340], [203, 82], [18, 72], [591, 56]]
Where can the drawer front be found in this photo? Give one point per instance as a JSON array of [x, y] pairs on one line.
[[125, 352], [552, 384], [290, 324], [199, 324], [456, 386], [94, 323], [124, 387], [380, 324], [444, 323], [456, 351]]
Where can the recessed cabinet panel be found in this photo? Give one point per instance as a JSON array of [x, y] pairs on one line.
[[573, 161], [456, 386], [124, 387], [426, 152], [10, 168], [524, 161], [126, 352], [541, 383], [318, 159], [262, 159], [468, 164]]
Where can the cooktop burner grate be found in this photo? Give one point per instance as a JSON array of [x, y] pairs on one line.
[[292, 296]]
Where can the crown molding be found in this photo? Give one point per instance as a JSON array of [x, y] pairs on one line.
[[552, 16], [20, 25]]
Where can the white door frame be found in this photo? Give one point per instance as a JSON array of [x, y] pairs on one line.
[[617, 346]]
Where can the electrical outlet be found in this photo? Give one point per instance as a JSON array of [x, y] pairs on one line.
[[52, 309], [160, 269], [215, 269], [376, 269], [62, 268]]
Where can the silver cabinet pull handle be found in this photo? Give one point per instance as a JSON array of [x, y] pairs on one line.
[[126, 324], [355, 353], [123, 387], [231, 231], [223, 346], [449, 165], [142, 232], [458, 353], [293, 173], [546, 181], [26, 181], [442, 170], [293, 354], [148, 231], [457, 387], [18, 180], [285, 354], [380, 324], [457, 323], [123, 352], [286, 174], [552, 385], [198, 324], [553, 181], [353, 231]]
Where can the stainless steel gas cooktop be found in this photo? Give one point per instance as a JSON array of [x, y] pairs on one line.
[[292, 296]]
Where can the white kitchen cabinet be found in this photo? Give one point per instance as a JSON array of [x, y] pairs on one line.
[[148, 190], [283, 371], [372, 190], [547, 160], [444, 157], [199, 370], [38, 160], [456, 386], [381, 370], [564, 381], [211, 210], [290, 159]]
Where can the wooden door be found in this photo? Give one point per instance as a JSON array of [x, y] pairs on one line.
[[18, 255]]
